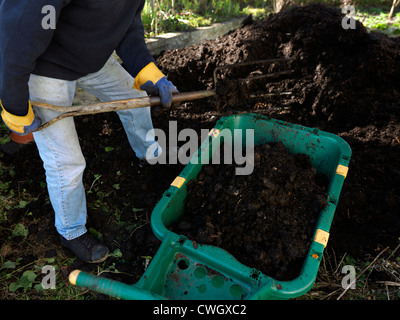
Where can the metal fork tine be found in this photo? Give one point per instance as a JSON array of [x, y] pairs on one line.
[[255, 77], [269, 75]]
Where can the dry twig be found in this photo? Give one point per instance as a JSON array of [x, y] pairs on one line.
[[362, 272]]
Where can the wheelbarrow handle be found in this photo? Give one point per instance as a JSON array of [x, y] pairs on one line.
[[111, 287], [116, 105]]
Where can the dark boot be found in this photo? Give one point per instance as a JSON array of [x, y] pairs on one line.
[[87, 248]]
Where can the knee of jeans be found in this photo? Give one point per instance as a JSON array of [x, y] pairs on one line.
[[68, 167], [78, 164], [73, 172]]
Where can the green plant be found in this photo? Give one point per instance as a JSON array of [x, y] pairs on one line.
[[168, 16], [26, 281], [20, 231], [4, 134], [376, 19]]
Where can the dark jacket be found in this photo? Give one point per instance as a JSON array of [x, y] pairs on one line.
[[86, 34]]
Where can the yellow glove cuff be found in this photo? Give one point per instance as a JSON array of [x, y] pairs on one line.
[[17, 123], [148, 73]]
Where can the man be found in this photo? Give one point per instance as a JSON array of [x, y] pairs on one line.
[[44, 64]]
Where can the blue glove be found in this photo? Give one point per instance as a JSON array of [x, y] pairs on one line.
[[153, 81], [163, 87]]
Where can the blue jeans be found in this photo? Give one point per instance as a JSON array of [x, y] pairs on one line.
[[59, 146]]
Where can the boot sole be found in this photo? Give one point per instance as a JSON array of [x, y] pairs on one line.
[[98, 261]]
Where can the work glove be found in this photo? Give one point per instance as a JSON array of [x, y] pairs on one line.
[[21, 125], [153, 81]]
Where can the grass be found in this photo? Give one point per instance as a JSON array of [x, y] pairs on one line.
[[375, 278], [162, 18], [30, 281], [376, 19], [22, 279]]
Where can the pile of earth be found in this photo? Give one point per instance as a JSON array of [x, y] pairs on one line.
[[267, 219], [335, 80]]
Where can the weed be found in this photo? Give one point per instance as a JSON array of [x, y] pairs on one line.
[[375, 19], [161, 16], [376, 279]]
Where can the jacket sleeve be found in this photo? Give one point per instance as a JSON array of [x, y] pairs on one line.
[[132, 49], [22, 40]]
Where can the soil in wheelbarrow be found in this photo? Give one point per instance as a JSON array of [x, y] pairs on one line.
[[266, 220]]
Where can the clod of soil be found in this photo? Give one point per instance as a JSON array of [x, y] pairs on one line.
[[266, 220]]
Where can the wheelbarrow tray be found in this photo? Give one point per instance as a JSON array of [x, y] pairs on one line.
[[184, 269]]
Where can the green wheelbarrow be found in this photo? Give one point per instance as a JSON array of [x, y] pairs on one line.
[[182, 269]]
